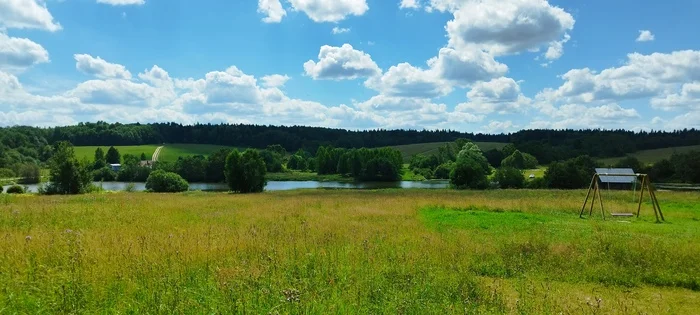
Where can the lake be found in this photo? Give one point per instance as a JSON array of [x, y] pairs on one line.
[[287, 185]]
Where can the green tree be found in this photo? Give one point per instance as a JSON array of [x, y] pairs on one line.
[[233, 170], [100, 161], [132, 171], [570, 174], [508, 149], [67, 175], [105, 174], [192, 168], [509, 177], [629, 162], [166, 182], [471, 169], [273, 161], [443, 170], [143, 157], [113, 156], [30, 173], [216, 166], [245, 172], [277, 149]]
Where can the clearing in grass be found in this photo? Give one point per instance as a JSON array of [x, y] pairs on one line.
[[316, 251]]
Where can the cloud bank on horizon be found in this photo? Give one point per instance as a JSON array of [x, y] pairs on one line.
[[471, 65]]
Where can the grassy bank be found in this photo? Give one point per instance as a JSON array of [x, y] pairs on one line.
[[405, 251]]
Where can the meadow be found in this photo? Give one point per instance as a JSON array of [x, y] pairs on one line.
[[329, 251], [171, 152], [409, 150], [653, 156], [88, 152]]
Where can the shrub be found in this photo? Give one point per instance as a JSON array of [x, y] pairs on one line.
[[30, 173], [161, 181], [7, 173], [471, 169], [15, 189], [443, 171], [509, 177], [536, 183], [105, 174], [68, 175]]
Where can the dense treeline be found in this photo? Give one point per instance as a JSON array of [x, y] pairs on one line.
[[27, 144]]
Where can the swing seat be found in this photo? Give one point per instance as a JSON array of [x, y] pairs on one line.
[[622, 214]]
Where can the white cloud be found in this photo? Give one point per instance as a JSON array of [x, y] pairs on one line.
[[466, 66], [645, 36], [339, 30], [17, 54], [122, 2], [156, 76], [495, 127], [687, 98], [500, 95], [406, 80], [272, 9], [556, 48], [582, 116], [23, 14], [100, 68], [507, 26], [330, 10], [275, 80], [338, 63], [409, 4]]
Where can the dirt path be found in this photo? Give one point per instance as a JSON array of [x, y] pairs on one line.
[[156, 154]]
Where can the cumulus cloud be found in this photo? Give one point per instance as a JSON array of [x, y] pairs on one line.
[[496, 126], [466, 66], [687, 98], [641, 76], [645, 36], [500, 95], [100, 68], [338, 63], [330, 10], [275, 80], [26, 14], [122, 2], [409, 4], [406, 80], [19, 53], [582, 116], [156, 76], [273, 10], [507, 26]]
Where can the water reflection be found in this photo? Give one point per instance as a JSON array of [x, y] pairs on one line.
[[279, 186]]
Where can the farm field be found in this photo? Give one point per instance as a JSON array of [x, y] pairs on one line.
[[653, 156], [409, 150], [320, 251], [88, 152], [171, 152]]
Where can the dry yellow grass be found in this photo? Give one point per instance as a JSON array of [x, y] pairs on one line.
[[342, 252]]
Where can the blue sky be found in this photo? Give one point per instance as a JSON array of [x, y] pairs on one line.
[[469, 65]]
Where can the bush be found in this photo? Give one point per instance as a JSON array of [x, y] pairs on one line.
[[105, 174], [471, 169], [15, 189], [166, 182], [570, 174], [7, 173], [443, 171], [509, 177], [536, 183], [68, 175], [29, 173]]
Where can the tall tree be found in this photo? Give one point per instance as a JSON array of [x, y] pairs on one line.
[[67, 175], [113, 156], [100, 161]]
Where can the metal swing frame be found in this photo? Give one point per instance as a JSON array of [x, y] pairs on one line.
[[594, 190]]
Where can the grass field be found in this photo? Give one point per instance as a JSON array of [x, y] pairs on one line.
[[409, 150], [171, 152], [653, 156], [328, 252], [88, 152]]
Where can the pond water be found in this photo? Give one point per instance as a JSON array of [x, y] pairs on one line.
[[278, 186]]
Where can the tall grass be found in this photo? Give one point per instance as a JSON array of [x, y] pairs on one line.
[[397, 251]]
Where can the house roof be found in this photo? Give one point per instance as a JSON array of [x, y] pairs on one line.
[[616, 179]]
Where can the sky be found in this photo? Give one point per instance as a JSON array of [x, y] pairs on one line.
[[487, 66]]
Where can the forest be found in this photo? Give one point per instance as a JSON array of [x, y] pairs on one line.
[[21, 144]]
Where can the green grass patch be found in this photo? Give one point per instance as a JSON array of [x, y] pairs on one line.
[[653, 156], [409, 150], [171, 152], [88, 152]]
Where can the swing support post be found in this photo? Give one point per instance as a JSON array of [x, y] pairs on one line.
[[594, 193]]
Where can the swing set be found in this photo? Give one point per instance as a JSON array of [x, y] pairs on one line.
[[594, 191]]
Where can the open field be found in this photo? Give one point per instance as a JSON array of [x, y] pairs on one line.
[[88, 152], [327, 252], [171, 152], [409, 150], [653, 156]]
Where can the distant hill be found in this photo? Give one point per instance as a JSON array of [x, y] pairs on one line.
[[409, 150], [653, 156], [88, 152]]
